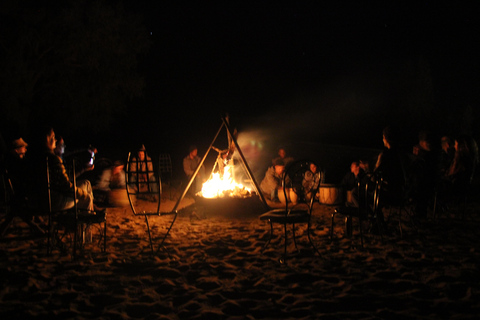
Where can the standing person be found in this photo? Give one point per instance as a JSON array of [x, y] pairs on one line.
[[391, 167], [273, 180], [17, 172], [423, 173], [190, 164]]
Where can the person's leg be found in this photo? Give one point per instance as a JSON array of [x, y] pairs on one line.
[[86, 202]]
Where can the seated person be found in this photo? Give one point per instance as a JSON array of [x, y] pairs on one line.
[[61, 186], [350, 183], [16, 170], [311, 179], [273, 180], [111, 185]]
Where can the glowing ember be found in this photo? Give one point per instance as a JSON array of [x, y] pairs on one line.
[[217, 187]]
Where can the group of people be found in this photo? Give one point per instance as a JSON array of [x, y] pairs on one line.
[[272, 182], [444, 167], [441, 167], [29, 181]]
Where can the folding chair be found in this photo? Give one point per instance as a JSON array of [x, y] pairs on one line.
[[143, 182], [293, 213]]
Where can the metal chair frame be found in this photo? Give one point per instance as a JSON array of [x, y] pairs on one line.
[[83, 221], [154, 188], [366, 210], [292, 213], [165, 170]]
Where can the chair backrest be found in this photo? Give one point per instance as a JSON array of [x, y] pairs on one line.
[[142, 180], [165, 166], [368, 195], [301, 182]]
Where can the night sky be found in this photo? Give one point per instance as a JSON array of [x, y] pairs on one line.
[[331, 72]]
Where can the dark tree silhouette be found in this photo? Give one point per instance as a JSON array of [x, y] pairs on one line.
[[73, 63]]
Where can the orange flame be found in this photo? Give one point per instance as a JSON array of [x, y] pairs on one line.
[[217, 187]]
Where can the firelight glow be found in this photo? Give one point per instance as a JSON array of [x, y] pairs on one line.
[[216, 187]]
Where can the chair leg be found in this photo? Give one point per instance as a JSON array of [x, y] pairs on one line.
[[360, 222], [168, 231], [105, 236], [149, 235], [310, 239], [271, 236], [333, 222], [286, 241], [294, 237], [400, 221]]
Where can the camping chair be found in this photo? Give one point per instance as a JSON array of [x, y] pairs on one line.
[[72, 220], [295, 212], [368, 204], [143, 182]]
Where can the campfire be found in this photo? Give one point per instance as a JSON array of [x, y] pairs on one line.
[[221, 194], [220, 186]]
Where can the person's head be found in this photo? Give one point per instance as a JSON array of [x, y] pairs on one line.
[[117, 167], [193, 151], [50, 141], [279, 166], [390, 136], [19, 147], [313, 167], [446, 143], [355, 168], [461, 144], [60, 148], [364, 165], [141, 153], [425, 140], [282, 153]]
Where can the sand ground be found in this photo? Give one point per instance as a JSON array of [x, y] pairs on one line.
[[213, 267]]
